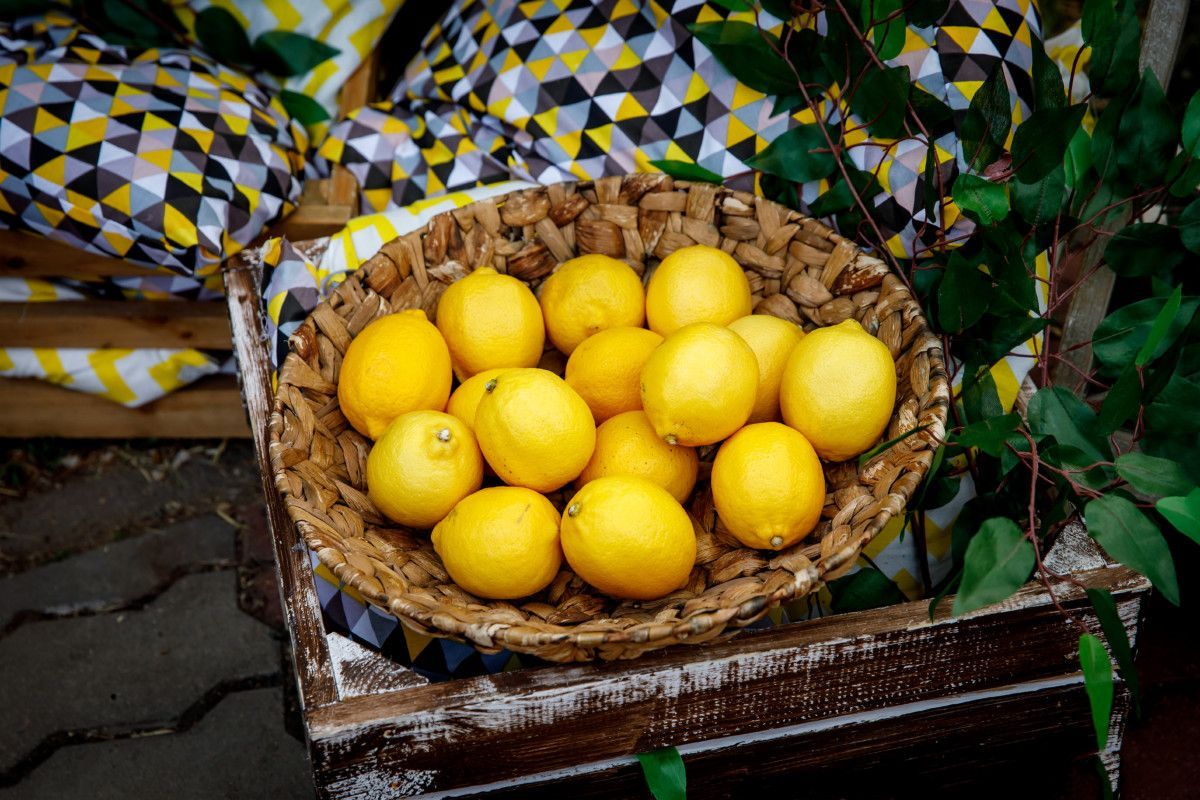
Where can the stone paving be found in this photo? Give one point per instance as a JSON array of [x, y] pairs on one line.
[[140, 646]]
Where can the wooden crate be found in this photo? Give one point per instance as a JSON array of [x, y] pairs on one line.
[[877, 703], [210, 408]]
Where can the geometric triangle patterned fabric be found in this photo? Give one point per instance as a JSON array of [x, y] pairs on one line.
[[575, 89], [160, 157]]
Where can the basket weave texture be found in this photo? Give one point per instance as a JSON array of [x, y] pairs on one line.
[[798, 269]]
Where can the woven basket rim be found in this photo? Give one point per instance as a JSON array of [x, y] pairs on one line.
[[595, 637]]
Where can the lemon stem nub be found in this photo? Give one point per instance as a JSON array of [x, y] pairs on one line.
[[490, 385], [572, 509], [443, 435], [670, 439], [776, 541]]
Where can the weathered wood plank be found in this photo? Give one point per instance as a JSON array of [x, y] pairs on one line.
[[115, 323], [505, 726], [965, 744], [302, 609], [211, 408], [27, 255]]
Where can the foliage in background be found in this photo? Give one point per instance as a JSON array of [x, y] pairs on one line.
[[1116, 441], [145, 24]]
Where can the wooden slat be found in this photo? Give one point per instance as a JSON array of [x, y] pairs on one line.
[[211, 408], [313, 221], [27, 255], [988, 746], [1087, 309], [502, 727], [115, 323], [297, 590]]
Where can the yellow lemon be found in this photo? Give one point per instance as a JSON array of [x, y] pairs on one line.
[[628, 445], [768, 486], [590, 294], [425, 462], [500, 543], [534, 430], [398, 363], [629, 538], [839, 388], [699, 385], [490, 320], [605, 369], [465, 399], [696, 284], [772, 340]]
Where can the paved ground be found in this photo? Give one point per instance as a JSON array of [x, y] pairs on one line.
[[140, 644], [141, 652]]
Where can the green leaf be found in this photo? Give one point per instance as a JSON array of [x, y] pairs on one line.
[[780, 9], [984, 201], [741, 49], [20, 8], [882, 446], [1104, 138], [735, 5], [881, 100], [862, 590], [1042, 200], [995, 336], [1189, 226], [1189, 132], [985, 126], [288, 54], [923, 13], [963, 296], [981, 398], [1078, 159], [1183, 512], [794, 155], [687, 171], [1098, 681], [1054, 411], [1160, 327], [1130, 537], [887, 36], [1115, 50], [1040, 142], [1121, 334], [1079, 464], [998, 561], [1188, 180], [665, 774], [1144, 248], [222, 35], [1118, 638], [989, 435], [1157, 477], [1121, 402], [1147, 133], [839, 198], [935, 115], [126, 22], [1048, 89], [303, 108]]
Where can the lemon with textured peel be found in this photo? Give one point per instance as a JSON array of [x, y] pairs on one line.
[[465, 399], [628, 445], [398, 363], [772, 340], [839, 389], [605, 369], [589, 294], [696, 284], [425, 462], [700, 384], [500, 543], [628, 538], [768, 486], [534, 430], [489, 321]]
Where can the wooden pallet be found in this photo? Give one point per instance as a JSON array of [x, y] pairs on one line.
[[207, 409], [878, 703]]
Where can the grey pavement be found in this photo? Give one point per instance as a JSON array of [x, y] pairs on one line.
[[134, 656]]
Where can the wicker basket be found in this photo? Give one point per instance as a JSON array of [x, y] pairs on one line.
[[798, 269]]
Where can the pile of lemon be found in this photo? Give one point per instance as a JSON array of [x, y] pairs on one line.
[[623, 423]]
